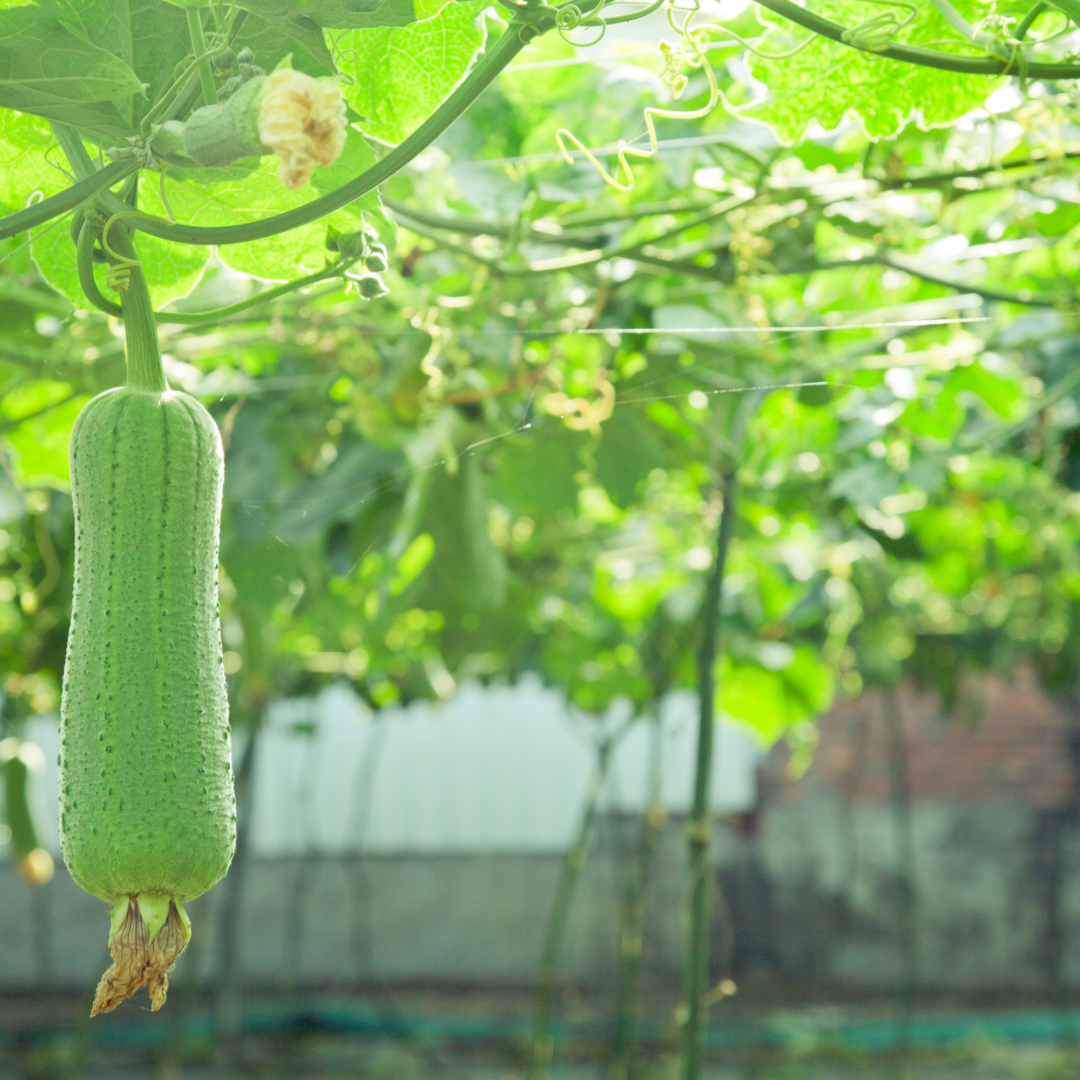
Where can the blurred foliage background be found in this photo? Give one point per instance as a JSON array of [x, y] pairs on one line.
[[514, 459]]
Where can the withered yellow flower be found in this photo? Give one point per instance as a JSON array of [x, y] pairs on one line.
[[302, 120]]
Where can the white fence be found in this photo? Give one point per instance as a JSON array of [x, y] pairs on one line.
[[494, 769]]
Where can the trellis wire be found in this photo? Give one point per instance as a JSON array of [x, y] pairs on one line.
[[905, 323], [371, 488]]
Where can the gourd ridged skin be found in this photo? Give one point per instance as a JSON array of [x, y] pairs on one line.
[[146, 787]]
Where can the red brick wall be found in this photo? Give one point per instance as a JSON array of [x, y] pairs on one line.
[[1007, 741]]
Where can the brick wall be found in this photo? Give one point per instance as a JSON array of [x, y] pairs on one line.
[[1007, 741]]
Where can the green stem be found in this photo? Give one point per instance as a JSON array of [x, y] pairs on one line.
[[1025, 24], [72, 145], [513, 40], [558, 916], [144, 370], [185, 101], [65, 200], [906, 915], [632, 916], [933, 180], [917, 269], [213, 315], [190, 318], [198, 45], [697, 953], [913, 54], [477, 227]]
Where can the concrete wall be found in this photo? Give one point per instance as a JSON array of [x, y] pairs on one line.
[[798, 908], [810, 881]]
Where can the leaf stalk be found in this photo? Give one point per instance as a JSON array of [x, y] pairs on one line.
[[932, 58], [198, 46]]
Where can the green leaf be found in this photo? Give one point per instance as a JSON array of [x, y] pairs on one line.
[[346, 14], [868, 482], [159, 42], [827, 81], [273, 39], [402, 74], [773, 701], [43, 65], [24, 168], [40, 446], [151, 38], [316, 502], [246, 196]]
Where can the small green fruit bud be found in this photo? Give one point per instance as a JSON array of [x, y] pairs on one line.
[[218, 135], [167, 143], [224, 59], [371, 288], [246, 55], [377, 261]]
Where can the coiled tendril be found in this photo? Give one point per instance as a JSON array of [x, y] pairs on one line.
[[571, 18], [340, 54], [876, 34], [698, 42], [119, 274]]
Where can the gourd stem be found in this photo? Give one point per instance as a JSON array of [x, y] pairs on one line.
[[198, 44], [144, 370]]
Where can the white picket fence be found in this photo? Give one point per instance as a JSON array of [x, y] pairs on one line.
[[495, 769]]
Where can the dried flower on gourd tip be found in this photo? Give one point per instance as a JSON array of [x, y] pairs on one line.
[[302, 120]]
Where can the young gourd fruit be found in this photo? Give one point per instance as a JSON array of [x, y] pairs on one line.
[[287, 113], [147, 811], [18, 759]]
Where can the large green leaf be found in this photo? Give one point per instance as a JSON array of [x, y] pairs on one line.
[[402, 74], [40, 445], [826, 81], [345, 14], [24, 168], [43, 65], [150, 37], [273, 39]]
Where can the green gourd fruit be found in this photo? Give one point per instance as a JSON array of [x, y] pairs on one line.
[[147, 811], [18, 759]]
